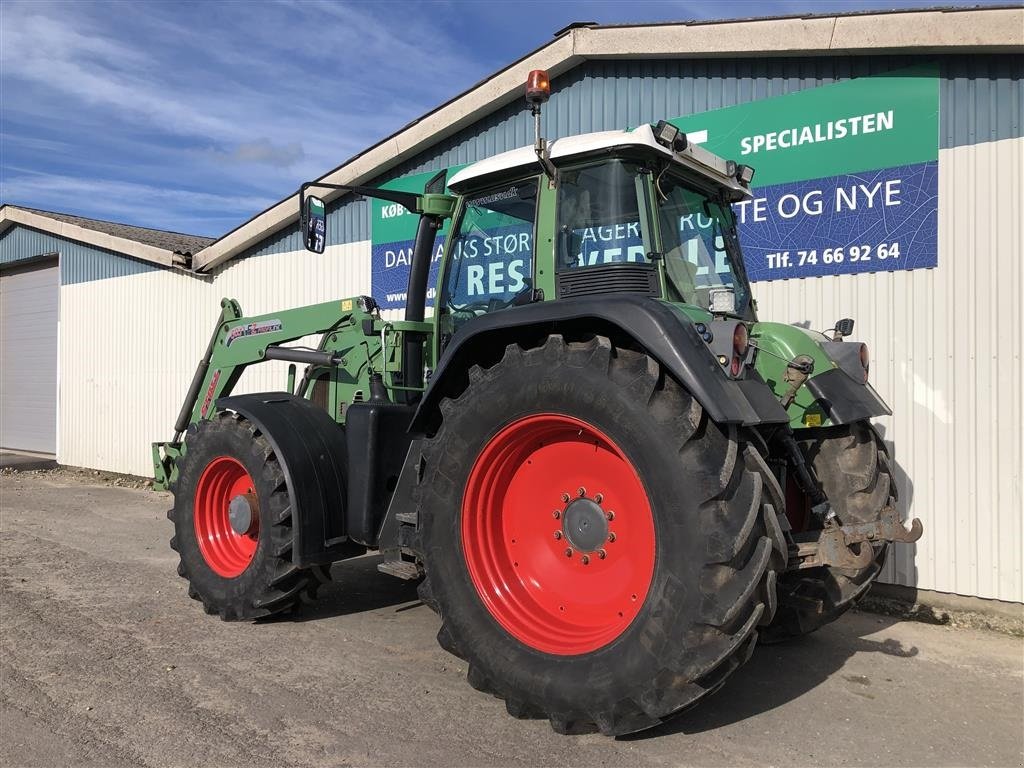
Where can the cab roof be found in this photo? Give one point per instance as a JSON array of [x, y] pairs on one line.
[[565, 151]]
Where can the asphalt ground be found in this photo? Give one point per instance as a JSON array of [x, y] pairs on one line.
[[105, 661]]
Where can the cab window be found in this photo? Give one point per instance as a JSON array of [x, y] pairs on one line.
[[599, 218], [490, 263]]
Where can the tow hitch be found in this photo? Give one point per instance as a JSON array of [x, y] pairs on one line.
[[831, 545]]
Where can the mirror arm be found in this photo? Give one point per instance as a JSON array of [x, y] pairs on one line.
[[410, 200]]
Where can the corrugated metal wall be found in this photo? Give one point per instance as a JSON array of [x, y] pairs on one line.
[[946, 355], [128, 347], [78, 262], [603, 95]]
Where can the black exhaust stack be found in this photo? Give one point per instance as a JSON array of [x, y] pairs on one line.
[[416, 291]]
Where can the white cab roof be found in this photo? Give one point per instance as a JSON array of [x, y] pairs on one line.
[[693, 157]]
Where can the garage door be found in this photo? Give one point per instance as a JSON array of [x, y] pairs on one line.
[[29, 299]]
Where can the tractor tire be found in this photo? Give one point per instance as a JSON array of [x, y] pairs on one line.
[[600, 552], [236, 575], [852, 464]]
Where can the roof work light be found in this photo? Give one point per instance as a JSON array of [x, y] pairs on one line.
[[669, 136]]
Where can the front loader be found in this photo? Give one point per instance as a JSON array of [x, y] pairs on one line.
[[609, 475]]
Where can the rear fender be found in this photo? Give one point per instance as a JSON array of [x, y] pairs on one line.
[[645, 322], [310, 447]]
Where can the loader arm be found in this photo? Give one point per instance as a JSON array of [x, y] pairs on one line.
[[238, 342]]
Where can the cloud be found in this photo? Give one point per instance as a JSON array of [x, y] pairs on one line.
[[153, 205], [263, 152]]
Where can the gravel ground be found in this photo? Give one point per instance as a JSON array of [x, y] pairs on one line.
[[105, 661]]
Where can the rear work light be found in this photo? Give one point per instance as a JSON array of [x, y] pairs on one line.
[[740, 344]]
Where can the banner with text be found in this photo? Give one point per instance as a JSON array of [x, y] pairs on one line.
[[846, 175]]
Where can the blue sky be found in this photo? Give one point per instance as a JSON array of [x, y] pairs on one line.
[[195, 116]]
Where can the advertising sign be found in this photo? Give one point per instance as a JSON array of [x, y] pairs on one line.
[[846, 182], [846, 175]]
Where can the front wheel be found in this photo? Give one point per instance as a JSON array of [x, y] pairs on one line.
[[233, 523], [600, 552]]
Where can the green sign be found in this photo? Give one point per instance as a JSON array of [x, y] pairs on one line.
[[882, 121]]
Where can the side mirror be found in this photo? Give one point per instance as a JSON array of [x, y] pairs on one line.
[[314, 224], [843, 328]]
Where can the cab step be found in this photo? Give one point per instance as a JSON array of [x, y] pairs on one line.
[[402, 569]]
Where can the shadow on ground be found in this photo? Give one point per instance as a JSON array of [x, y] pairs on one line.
[[778, 674], [774, 676], [356, 586]]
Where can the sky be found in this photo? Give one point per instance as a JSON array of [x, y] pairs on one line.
[[195, 116]]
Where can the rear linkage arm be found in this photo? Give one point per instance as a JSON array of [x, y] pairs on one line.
[[832, 547]]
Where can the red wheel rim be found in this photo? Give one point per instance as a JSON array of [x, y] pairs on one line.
[[226, 551], [550, 566]]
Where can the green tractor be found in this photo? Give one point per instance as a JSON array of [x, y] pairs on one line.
[[611, 478]]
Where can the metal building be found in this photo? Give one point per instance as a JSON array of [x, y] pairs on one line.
[[941, 94]]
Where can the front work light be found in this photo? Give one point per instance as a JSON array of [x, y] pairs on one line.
[[538, 87], [744, 174]]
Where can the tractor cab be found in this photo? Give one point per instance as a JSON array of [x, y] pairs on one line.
[[618, 212]]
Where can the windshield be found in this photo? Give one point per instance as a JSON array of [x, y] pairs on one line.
[[701, 250], [490, 258]]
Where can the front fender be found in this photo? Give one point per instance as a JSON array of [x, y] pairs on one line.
[[311, 450], [653, 325]]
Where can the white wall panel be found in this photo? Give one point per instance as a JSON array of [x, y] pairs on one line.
[[129, 345], [946, 355]]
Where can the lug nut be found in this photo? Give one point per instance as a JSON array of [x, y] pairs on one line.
[[602, 554], [611, 535], [558, 535], [581, 491], [609, 515], [565, 497], [599, 498], [556, 514], [585, 559], [568, 551]]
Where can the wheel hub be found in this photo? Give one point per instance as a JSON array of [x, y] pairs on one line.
[[241, 513], [585, 525], [227, 520]]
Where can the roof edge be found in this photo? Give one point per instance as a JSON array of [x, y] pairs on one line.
[[11, 215], [992, 30]]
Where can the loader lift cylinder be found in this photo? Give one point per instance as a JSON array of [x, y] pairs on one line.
[[185, 414]]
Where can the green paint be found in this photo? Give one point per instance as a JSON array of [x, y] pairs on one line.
[[902, 109], [544, 248], [780, 343], [391, 222]]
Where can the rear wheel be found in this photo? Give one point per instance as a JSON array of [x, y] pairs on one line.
[[600, 552], [232, 523], [852, 465]]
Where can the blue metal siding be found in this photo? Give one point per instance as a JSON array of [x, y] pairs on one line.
[[982, 99], [78, 262]]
